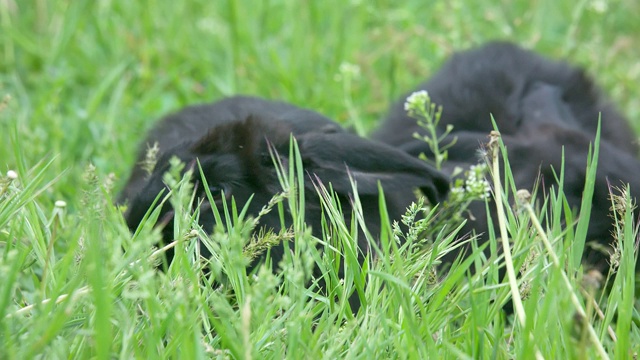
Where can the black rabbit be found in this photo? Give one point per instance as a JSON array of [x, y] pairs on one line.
[[540, 106], [230, 139]]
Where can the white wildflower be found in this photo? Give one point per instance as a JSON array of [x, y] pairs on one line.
[[599, 6], [347, 72], [350, 70], [476, 184], [456, 193], [416, 101]]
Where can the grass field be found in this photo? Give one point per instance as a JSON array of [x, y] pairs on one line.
[[82, 81]]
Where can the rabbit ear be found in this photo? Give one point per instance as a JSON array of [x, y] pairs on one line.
[[332, 157]]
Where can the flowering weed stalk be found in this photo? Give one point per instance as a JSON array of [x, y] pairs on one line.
[[420, 107], [471, 186]]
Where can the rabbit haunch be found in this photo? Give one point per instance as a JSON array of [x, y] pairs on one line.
[[541, 108], [231, 140]]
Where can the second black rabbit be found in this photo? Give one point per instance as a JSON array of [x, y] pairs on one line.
[[540, 107]]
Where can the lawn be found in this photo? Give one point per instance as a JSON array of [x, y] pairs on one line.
[[81, 81]]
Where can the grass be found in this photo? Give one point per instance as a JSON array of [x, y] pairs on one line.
[[81, 80]]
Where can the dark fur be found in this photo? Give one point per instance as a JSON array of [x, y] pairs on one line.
[[539, 105], [230, 140]]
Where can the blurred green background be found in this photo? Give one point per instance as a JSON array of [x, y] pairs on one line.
[[83, 80]]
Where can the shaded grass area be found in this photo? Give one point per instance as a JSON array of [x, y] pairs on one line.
[[84, 80]]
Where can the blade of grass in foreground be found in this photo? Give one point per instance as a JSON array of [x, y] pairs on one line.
[[582, 227]]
